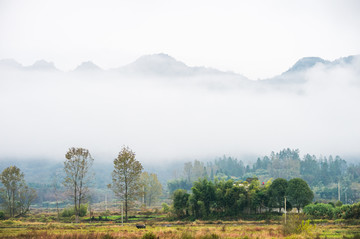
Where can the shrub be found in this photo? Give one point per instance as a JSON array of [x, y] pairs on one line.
[[319, 210], [8, 222], [354, 212], [68, 212], [2, 215], [293, 222], [338, 204], [210, 236], [165, 207], [305, 227], [107, 236], [43, 219], [149, 235], [104, 214], [186, 235]]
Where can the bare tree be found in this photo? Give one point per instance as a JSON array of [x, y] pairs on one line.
[[126, 177], [77, 175]]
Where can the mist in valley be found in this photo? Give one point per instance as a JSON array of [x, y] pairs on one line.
[[167, 111]]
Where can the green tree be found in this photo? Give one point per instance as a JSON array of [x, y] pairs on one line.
[[77, 176], [151, 188], [299, 193], [181, 202], [15, 194], [277, 191], [230, 197], [126, 178], [203, 195]]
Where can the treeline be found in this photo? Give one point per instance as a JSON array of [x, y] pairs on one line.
[[331, 178], [221, 198], [74, 183]]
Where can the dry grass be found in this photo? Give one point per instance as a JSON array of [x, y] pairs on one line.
[[181, 230]]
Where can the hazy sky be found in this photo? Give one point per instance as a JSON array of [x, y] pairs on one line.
[[43, 114], [258, 39]]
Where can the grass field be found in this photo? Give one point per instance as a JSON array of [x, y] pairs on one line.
[[163, 229]]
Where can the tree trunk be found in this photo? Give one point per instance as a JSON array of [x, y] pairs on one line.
[[126, 201]]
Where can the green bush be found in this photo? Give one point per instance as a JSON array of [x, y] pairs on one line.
[[293, 223], [8, 222], [354, 212], [149, 235], [338, 204], [341, 212], [107, 236], [319, 210], [43, 218], [211, 236], [2, 215], [68, 212], [165, 207]]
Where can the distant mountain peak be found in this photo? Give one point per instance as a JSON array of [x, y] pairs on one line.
[[42, 65], [306, 63], [162, 64], [88, 66], [10, 63]]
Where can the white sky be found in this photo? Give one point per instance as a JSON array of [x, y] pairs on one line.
[[258, 39], [44, 114]]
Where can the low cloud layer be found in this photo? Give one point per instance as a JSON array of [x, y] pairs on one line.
[[166, 118]]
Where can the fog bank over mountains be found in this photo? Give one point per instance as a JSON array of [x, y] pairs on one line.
[[166, 110]]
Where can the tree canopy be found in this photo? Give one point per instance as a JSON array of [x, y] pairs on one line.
[[126, 178]]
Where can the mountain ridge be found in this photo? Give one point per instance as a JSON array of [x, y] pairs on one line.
[[164, 65]]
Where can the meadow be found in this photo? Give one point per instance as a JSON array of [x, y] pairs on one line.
[[159, 227]]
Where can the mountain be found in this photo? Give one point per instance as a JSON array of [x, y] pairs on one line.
[[167, 66], [297, 73], [42, 65], [87, 66], [10, 64], [306, 63]]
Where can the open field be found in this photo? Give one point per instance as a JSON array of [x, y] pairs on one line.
[[162, 229]]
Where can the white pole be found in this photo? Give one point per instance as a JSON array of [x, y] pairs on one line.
[[285, 210]]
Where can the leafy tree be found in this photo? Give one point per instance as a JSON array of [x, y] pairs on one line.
[[324, 171], [252, 191], [152, 188], [77, 176], [126, 178], [181, 202], [262, 196], [285, 164], [203, 195], [299, 193], [230, 197], [178, 184], [16, 195], [277, 191], [230, 166], [310, 169], [188, 168]]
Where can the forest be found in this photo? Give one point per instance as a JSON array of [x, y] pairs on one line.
[[330, 178]]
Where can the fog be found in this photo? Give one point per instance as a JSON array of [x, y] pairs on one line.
[[166, 118]]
